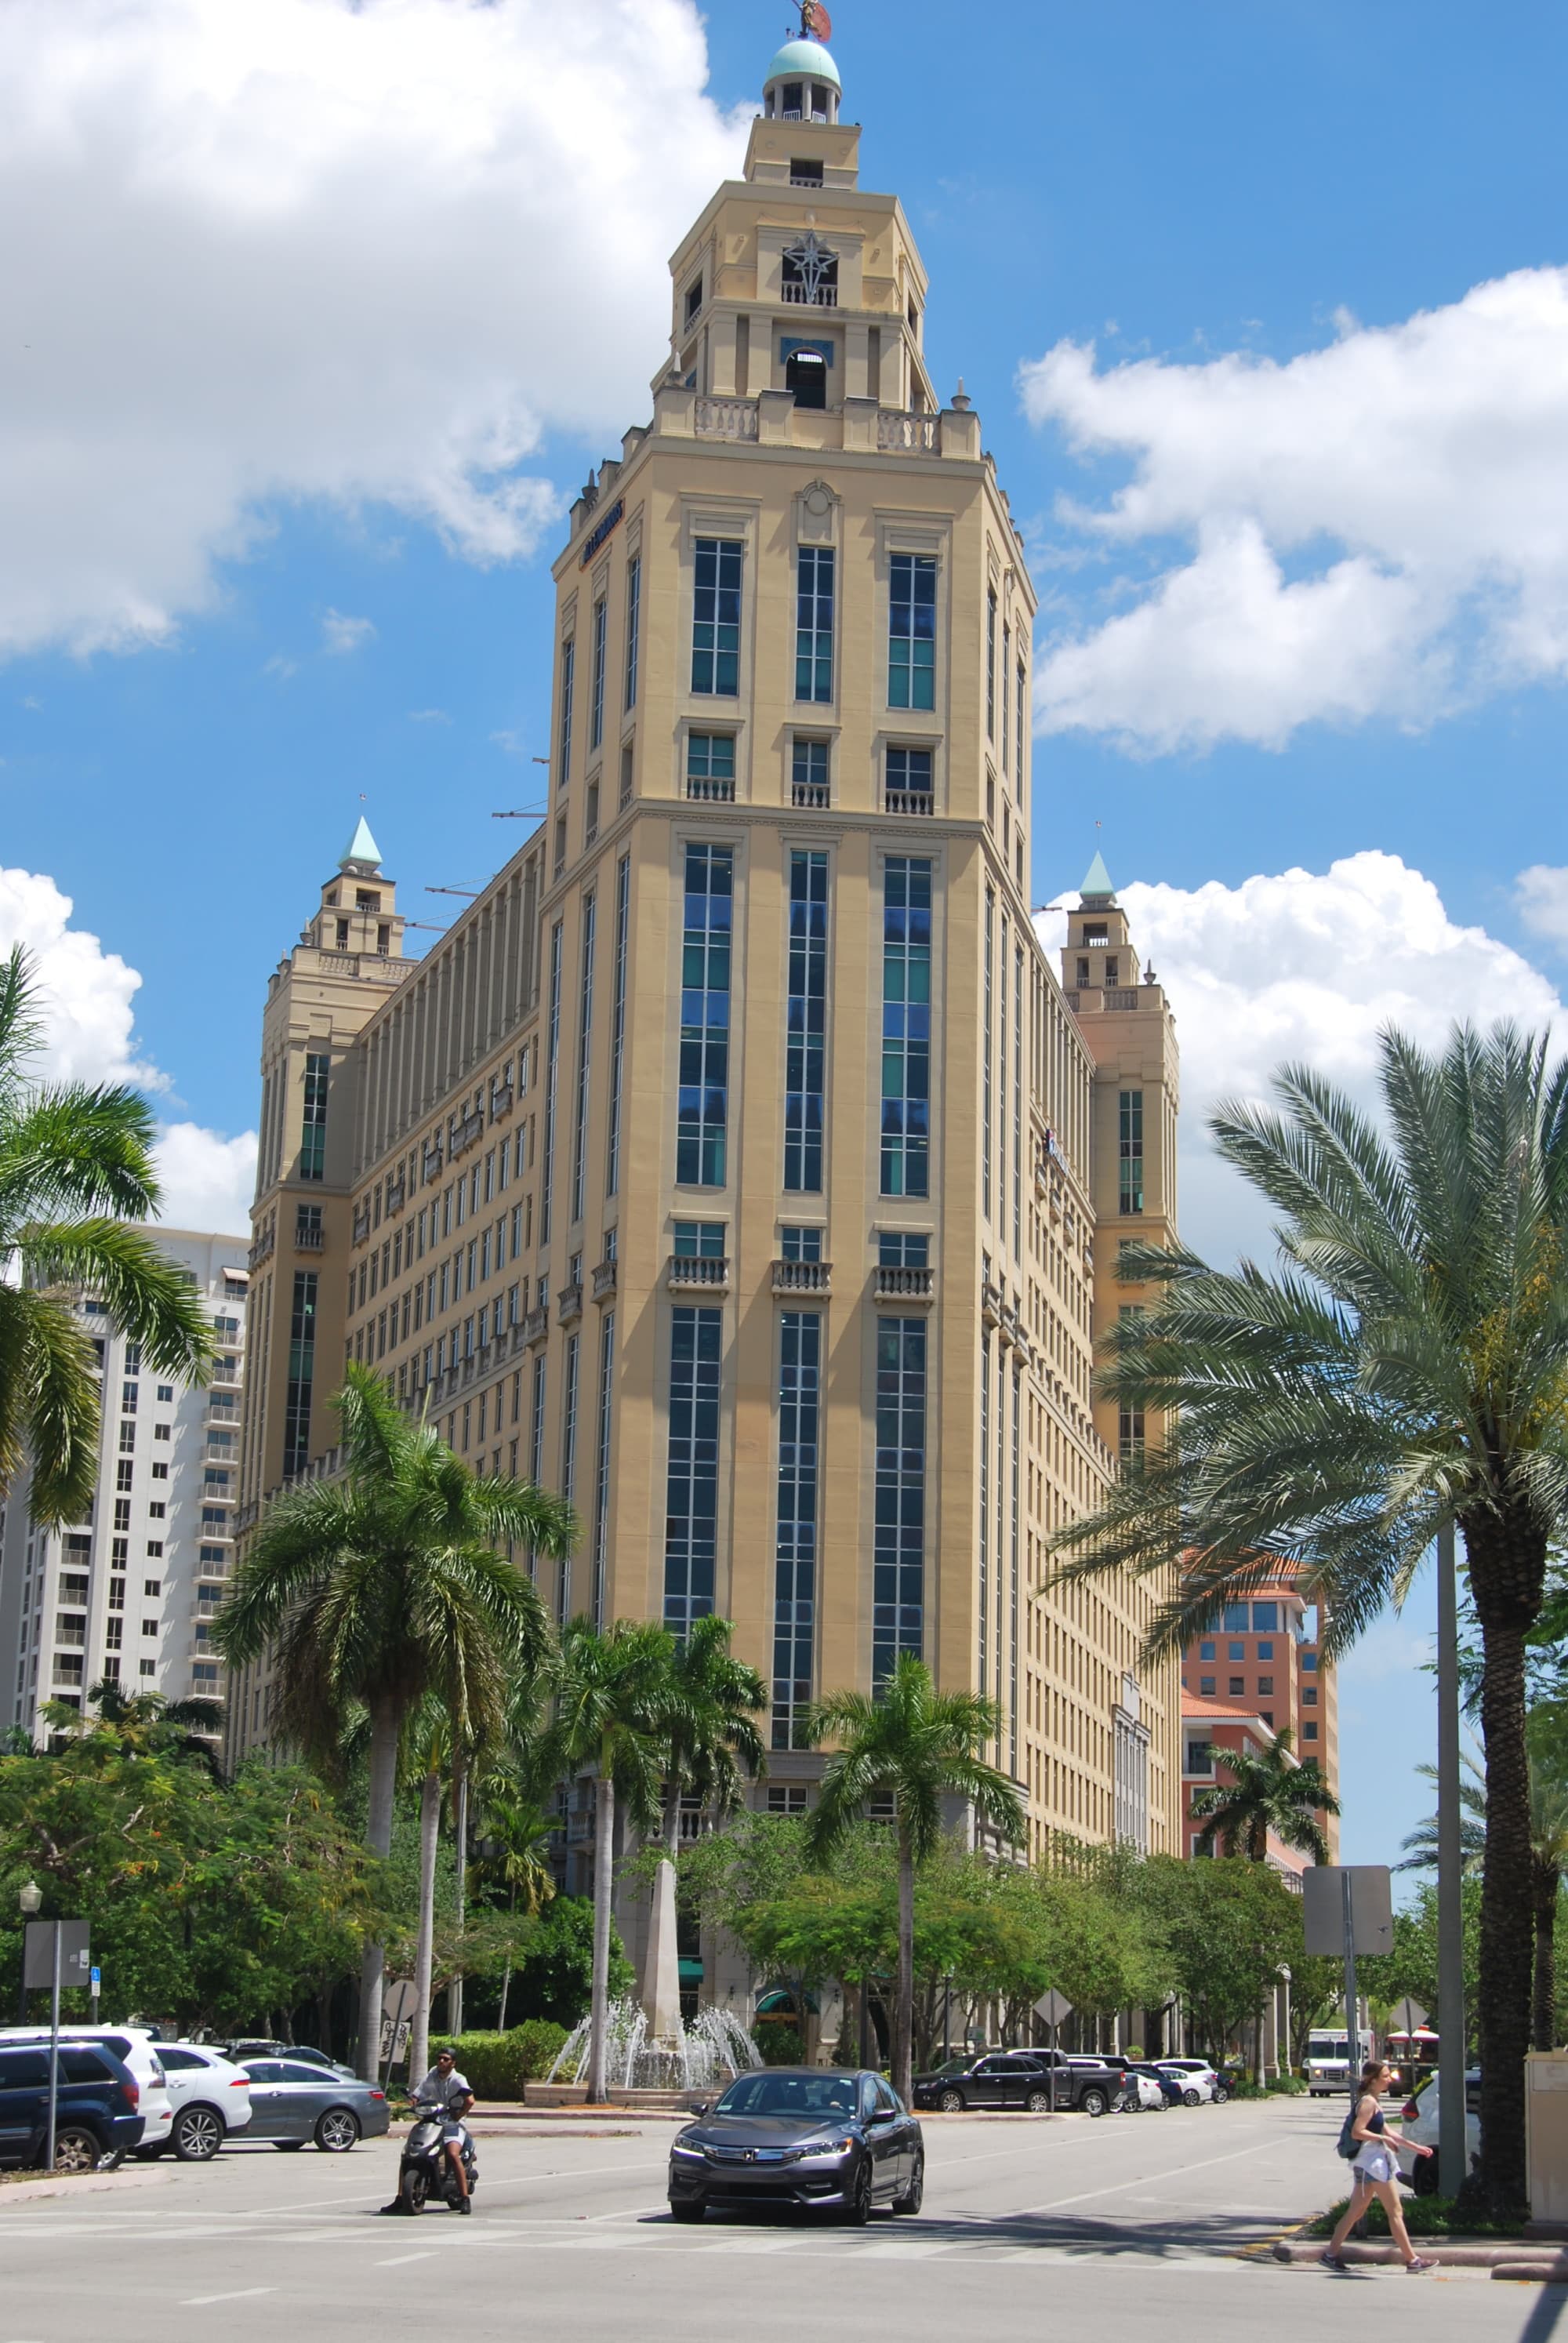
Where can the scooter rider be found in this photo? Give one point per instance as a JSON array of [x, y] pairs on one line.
[[444, 2091]]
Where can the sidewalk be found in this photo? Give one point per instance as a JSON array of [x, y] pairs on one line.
[[1505, 2257]]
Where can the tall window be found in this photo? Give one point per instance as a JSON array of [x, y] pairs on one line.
[[912, 630], [794, 1563], [600, 654], [811, 787], [585, 1051], [814, 623], [568, 1459], [898, 1588], [805, 1039], [1006, 727], [617, 1022], [552, 1067], [908, 787], [601, 1460], [990, 666], [1017, 1099], [568, 673], [716, 618], [1022, 697], [301, 1374], [987, 989], [711, 767], [982, 1676], [906, 1027], [633, 625], [313, 1129], [691, 1509], [1129, 1109], [537, 1443], [704, 1094], [1129, 1435]]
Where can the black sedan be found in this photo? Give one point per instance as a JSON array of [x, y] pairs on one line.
[[834, 2138]]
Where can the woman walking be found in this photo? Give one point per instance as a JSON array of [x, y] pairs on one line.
[[1376, 2169]]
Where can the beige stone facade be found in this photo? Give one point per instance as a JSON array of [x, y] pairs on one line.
[[737, 1163]]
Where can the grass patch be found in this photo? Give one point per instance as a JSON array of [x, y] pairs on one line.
[[1426, 2217]]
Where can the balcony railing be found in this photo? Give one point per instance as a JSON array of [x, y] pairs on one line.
[[809, 297], [812, 797], [802, 1277], [361, 1225], [710, 793], [309, 1240], [604, 1279], [910, 801], [917, 433], [710, 1272], [263, 1248], [892, 1282], [396, 1196], [726, 419], [570, 1304], [536, 1325]]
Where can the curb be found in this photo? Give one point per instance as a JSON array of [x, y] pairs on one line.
[[1503, 2257], [76, 2184]]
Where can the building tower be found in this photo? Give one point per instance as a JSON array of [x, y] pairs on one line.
[[731, 1164]]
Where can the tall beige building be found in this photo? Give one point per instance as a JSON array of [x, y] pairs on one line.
[[736, 1164]]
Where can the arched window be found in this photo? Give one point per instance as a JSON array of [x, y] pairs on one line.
[[805, 374]]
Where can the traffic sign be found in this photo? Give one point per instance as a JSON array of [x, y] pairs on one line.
[[1054, 2007], [1371, 1907], [38, 1953]]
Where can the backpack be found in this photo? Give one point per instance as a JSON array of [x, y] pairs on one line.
[[1347, 2145]]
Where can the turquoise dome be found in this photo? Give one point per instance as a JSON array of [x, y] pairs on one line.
[[809, 60]]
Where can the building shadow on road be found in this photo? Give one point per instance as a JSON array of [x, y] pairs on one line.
[[1219, 2235]]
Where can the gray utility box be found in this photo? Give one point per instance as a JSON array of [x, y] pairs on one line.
[[1546, 2134]]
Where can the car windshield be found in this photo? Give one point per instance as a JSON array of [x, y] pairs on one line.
[[790, 2094], [953, 2066]]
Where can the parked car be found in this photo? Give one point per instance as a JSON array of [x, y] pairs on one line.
[[137, 2047], [210, 2096], [1140, 2093], [98, 2115], [838, 2140], [996, 2078], [1168, 2085], [300, 2053], [291, 2101], [1199, 2084], [1219, 2088], [1418, 2122]]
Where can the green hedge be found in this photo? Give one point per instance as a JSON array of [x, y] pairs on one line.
[[498, 2065]]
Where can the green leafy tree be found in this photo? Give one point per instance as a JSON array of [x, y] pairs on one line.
[[76, 1165], [384, 1588], [553, 1972], [922, 1746], [1228, 1925], [1262, 1795], [612, 1699], [1406, 1368]]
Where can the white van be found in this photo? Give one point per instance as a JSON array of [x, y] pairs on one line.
[[1328, 2061], [138, 2047]]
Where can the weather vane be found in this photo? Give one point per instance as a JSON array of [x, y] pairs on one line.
[[816, 24]]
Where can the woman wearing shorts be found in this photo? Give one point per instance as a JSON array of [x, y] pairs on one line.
[[1376, 2169]]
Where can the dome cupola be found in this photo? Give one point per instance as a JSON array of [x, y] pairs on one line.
[[802, 82]]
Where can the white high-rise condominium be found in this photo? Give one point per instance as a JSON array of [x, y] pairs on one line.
[[128, 1594]]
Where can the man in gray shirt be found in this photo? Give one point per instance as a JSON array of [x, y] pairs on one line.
[[445, 2092]]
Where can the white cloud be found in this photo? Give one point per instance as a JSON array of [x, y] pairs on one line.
[[357, 251], [1305, 965], [429, 716], [207, 1181], [1378, 529], [340, 634], [87, 1008], [1540, 897]]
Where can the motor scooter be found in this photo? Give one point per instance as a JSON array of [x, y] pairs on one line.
[[425, 2169]]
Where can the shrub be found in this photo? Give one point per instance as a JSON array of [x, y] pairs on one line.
[[1427, 2216], [780, 2045], [498, 2065]]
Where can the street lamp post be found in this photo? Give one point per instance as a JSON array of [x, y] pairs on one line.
[[30, 1898]]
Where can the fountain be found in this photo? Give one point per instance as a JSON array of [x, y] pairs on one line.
[[705, 2056]]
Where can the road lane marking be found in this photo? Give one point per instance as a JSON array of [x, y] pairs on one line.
[[240, 2294], [398, 2260]]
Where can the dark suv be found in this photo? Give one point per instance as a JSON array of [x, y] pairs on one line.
[[1035, 2080], [96, 2110]]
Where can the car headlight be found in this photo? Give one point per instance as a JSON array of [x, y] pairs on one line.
[[824, 2148], [680, 2147]]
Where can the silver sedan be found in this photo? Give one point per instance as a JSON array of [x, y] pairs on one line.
[[291, 2103]]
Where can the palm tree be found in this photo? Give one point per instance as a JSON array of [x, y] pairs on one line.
[[922, 1746], [515, 1847], [712, 1745], [612, 1698], [383, 1587], [144, 1723], [76, 1164], [1264, 1793], [1404, 1370], [1548, 1863]]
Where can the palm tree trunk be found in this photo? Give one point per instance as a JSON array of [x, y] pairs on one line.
[[603, 1877], [460, 1831], [384, 1724], [506, 1972], [1548, 1887], [429, 1842], [904, 1998], [1507, 1908]]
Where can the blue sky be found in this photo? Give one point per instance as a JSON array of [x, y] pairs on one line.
[[231, 612]]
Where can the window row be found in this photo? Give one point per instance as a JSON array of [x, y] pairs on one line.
[[907, 773]]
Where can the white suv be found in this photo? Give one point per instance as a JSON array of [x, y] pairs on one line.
[[211, 2097], [1418, 2122], [136, 2046]]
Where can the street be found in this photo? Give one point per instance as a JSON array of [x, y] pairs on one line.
[[1107, 2228]]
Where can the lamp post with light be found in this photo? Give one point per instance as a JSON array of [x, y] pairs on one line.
[[30, 1899]]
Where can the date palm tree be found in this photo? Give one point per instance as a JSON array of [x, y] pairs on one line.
[[384, 1587], [712, 1745], [76, 1165], [922, 1747], [1406, 1368], [1264, 1793], [612, 1700]]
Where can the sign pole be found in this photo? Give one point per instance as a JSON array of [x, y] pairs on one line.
[[1450, 2095], [54, 2051], [1352, 2014]]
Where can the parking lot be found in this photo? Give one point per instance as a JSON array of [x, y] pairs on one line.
[[1064, 2222]]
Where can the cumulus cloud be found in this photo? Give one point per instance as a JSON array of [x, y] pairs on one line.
[[1306, 965], [87, 1000], [1540, 897], [357, 251], [1374, 530], [340, 634]]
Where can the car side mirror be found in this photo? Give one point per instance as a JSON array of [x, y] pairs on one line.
[[698, 2107], [880, 2115]]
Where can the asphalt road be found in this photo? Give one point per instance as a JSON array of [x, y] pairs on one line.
[[1060, 2226]]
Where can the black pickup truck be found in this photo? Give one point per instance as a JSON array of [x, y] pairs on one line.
[[1037, 2080]]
